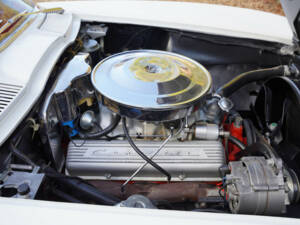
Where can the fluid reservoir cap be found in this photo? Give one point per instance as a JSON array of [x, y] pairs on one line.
[[150, 79]]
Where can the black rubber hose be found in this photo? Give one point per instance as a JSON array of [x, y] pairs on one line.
[[236, 142], [138, 151], [76, 184], [105, 131], [253, 130], [64, 196], [245, 78], [248, 132], [73, 183]]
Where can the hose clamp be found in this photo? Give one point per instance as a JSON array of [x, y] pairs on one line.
[[225, 104]]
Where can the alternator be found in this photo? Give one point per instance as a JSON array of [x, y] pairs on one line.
[[255, 187]]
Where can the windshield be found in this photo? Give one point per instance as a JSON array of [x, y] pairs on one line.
[[11, 8]]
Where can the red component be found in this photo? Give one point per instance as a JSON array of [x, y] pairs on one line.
[[233, 150]]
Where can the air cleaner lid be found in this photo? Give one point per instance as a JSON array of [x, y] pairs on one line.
[[150, 79]]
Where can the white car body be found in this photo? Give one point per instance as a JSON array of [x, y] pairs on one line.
[[35, 212], [45, 40]]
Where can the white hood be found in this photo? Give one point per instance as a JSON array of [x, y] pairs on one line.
[[197, 17]]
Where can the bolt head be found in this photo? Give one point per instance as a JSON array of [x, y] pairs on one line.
[[23, 189]]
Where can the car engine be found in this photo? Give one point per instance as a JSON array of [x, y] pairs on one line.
[[170, 120]]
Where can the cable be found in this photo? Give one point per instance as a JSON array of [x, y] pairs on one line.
[[138, 151], [277, 130], [134, 36], [146, 163], [76, 145], [109, 138], [105, 131], [245, 78], [224, 185], [20, 155], [237, 142]]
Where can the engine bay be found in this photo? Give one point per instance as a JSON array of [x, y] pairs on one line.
[[147, 117]]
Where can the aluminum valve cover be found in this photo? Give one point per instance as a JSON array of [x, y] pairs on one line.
[[150, 80], [116, 160]]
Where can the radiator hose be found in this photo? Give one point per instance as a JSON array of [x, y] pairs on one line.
[[245, 78]]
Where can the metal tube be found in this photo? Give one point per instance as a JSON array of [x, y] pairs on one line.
[[145, 164]]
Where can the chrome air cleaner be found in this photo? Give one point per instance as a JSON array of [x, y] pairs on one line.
[[151, 85]]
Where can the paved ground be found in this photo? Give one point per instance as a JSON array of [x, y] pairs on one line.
[[272, 6]]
